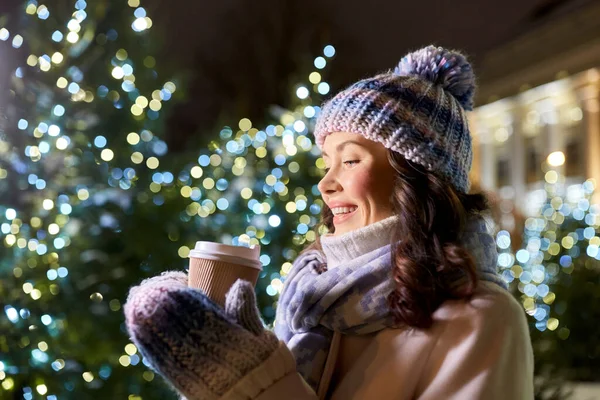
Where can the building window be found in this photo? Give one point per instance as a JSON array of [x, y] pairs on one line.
[[503, 172], [533, 160], [575, 157]]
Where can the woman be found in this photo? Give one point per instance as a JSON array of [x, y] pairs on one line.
[[400, 300]]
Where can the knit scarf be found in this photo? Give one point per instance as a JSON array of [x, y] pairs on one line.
[[351, 295]]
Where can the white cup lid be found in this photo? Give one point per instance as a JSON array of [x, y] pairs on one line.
[[248, 256]]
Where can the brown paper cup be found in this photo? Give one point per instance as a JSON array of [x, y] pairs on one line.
[[215, 278], [215, 267]]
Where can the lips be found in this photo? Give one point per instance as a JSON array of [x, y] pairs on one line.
[[341, 218]]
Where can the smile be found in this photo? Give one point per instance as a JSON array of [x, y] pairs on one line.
[[341, 214]]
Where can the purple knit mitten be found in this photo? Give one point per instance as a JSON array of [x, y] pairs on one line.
[[201, 349]]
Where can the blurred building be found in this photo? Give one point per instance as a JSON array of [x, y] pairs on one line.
[[539, 110]]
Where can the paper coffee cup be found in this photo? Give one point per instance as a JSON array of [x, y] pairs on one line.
[[214, 268]]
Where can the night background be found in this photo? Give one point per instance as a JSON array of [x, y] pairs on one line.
[[130, 130]]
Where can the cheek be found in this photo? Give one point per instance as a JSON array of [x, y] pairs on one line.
[[367, 185]]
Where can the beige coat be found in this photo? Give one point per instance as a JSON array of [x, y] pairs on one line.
[[477, 349]]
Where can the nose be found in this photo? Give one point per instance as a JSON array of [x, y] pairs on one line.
[[329, 184]]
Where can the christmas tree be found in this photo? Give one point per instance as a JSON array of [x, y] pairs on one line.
[[556, 276], [93, 201]]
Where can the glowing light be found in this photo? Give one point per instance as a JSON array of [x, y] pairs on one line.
[[290, 207], [155, 105], [117, 73], [62, 83], [44, 62], [302, 92], [186, 191], [46, 319], [48, 204], [62, 143], [41, 389], [73, 88], [53, 130], [137, 157], [43, 12], [53, 229], [4, 34], [152, 163], [87, 376], [299, 126], [83, 194], [96, 297], [170, 87], [72, 37], [121, 54], [58, 364], [141, 101], [320, 63], [115, 305], [245, 124], [551, 177], [208, 183], [8, 383], [58, 110], [183, 251], [12, 314], [137, 110], [139, 24], [133, 138], [107, 155], [17, 41], [57, 36], [148, 375], [552, 324], [124, 360], [556, 158], [31, 9], [10, 214], [73, 25], [130, 349], [274, 221], [323, 88], [329, 51], [576, 114]]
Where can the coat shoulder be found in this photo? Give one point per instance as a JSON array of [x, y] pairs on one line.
[[488, 304]]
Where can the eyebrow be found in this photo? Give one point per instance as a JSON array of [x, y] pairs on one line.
[[341, 146]]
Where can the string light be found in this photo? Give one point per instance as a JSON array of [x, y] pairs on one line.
[[546, 256], [103, 171]]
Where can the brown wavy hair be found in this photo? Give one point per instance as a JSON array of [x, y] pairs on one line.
[[426, 252]]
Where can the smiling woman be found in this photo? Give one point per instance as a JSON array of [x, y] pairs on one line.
[[399, 300]]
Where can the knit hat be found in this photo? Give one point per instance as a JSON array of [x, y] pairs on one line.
[[417, 110]]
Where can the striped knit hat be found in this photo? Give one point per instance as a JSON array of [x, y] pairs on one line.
[[417, 110]]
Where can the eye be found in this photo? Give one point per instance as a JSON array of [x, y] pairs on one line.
[[351, 162]]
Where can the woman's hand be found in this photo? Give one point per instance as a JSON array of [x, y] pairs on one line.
[[201, 349]]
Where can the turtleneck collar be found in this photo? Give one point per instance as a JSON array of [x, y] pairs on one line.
[[351, 245]]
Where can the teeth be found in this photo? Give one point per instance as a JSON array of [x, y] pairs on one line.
[[342, 210]]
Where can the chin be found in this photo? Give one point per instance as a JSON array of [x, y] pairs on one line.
[[345, 229]]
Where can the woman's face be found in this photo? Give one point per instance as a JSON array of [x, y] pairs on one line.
[[358, 183]]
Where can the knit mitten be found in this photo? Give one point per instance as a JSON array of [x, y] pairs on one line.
[[201, 349]]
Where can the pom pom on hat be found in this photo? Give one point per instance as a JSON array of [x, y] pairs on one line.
[[447, 68]]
